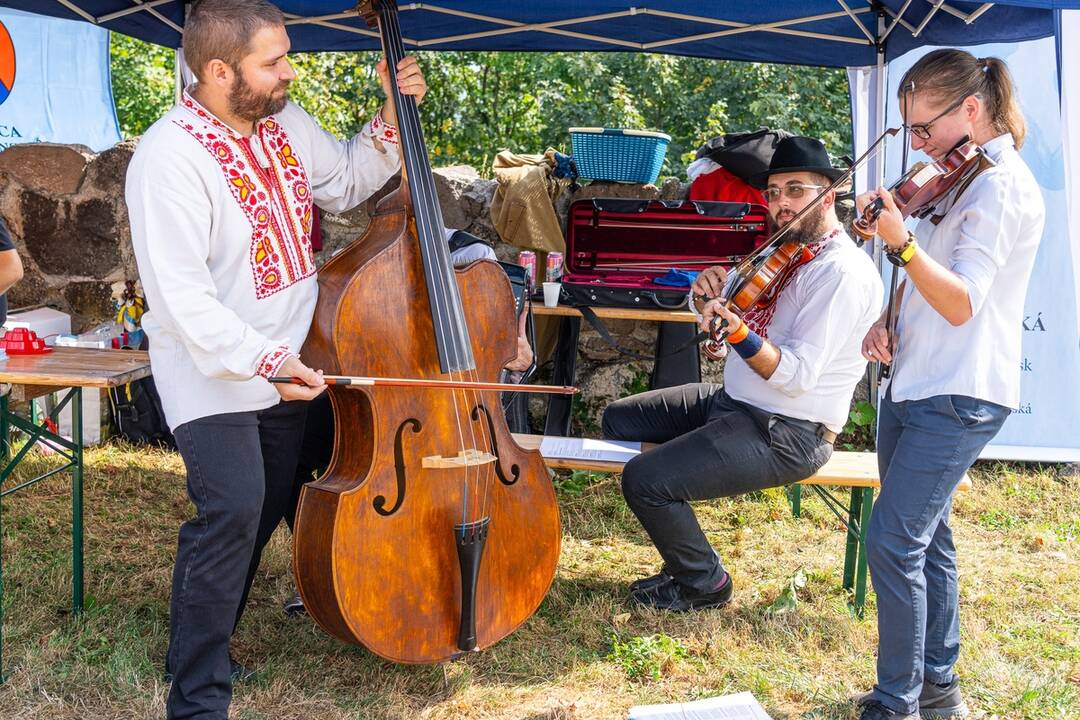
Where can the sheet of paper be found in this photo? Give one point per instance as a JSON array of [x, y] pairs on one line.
[[741, 706], [587, 449]]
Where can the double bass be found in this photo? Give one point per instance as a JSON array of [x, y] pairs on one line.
[[432, 533]]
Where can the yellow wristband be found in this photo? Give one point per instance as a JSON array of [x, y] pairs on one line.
[[909, 250], [739, 334]]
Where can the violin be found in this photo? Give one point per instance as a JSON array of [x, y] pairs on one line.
[[916, 194], [920, 189], [756, 279]]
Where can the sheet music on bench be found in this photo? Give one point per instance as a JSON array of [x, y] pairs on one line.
[[570, 448], [741, 706]]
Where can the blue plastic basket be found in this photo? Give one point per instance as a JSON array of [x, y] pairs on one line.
[[623, 155]]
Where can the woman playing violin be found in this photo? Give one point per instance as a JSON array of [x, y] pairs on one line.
[[955, 367]]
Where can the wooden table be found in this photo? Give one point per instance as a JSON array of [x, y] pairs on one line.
[[677, 328], [32, 376]]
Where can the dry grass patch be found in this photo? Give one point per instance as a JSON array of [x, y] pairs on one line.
[[586, 654]]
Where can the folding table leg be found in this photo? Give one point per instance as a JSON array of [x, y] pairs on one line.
[[854, 527], [77, 502], [860, 575]]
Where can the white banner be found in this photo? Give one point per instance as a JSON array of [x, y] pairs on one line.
[[54, 82], [1044, 427]]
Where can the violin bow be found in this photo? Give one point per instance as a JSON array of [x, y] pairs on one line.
[[891, 314], [436, 384]]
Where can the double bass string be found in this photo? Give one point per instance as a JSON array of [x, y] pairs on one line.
[[448, 286], [440, 276]]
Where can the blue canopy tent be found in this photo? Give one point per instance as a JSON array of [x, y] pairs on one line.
[[831, 33], [862, 35]]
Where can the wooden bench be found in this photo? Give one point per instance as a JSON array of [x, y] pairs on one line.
[[856, 471]]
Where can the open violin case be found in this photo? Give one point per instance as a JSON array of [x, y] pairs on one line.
[[617, 248]]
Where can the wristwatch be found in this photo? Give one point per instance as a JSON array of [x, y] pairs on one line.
[[902, 255]]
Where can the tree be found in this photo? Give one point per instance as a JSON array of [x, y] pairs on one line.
[[481, 102]]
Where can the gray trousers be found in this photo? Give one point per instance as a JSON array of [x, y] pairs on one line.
[[713, 446]]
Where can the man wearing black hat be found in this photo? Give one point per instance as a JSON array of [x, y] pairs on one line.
[[786, 392]]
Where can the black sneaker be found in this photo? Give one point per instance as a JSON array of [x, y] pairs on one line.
[[676, 597], [645, 583], [942, 702], [873, 710], [294, 605]]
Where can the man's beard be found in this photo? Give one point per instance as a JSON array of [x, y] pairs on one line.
[[244, 103], [809, 228]]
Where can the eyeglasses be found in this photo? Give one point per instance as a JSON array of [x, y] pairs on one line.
[[793, 191], [922, 130]]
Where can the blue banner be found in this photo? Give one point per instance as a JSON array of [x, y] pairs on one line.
[[1044, 427], [54, 82]]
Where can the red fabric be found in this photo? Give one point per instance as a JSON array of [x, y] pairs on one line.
[[722, 186], [316, 228]]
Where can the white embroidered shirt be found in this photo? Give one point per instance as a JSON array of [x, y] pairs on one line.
[[221, 227]]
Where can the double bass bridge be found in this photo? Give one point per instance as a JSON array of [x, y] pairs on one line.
[[464, 459]]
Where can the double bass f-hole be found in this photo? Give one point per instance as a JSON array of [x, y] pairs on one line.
[[379, 503], [515, 470]]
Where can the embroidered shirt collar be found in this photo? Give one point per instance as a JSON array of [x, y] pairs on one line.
[[195, 107]]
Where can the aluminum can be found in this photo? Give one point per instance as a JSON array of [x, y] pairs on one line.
[[527, 259], [554, 267]]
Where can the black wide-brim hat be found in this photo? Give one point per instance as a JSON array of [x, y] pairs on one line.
[[798, 154]]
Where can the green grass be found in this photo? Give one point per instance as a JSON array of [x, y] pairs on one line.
[[586, 653]]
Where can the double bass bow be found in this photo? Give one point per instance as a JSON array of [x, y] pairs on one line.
[[432, 533]]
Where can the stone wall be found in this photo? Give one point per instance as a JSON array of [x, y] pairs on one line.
[[64, 206]]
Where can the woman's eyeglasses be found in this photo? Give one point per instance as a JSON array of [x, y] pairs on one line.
[[922, 130], [793, 191]]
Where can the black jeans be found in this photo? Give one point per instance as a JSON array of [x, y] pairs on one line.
[[713, 446], [240, 470]]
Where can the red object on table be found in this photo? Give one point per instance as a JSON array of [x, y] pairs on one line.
[[23, 341]]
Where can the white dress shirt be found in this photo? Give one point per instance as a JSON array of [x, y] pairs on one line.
[[818, 325], [988, 238], [221, 229]]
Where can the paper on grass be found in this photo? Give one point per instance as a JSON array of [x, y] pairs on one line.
[[742, 706], [587, 449]]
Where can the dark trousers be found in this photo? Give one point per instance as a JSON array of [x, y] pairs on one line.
[[713, 446], [240, 470], [315, 450]]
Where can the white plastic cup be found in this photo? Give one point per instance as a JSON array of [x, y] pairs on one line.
[[551, 294]]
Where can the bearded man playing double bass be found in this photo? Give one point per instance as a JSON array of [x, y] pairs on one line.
[[786, 393], [220, 194]]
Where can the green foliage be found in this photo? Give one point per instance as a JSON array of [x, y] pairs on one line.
[[788, 600], [143, 82], [481, 102], [637, 384], [646, 657], [858, 433], [577, 481]]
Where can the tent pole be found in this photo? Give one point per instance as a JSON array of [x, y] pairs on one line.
[[876, 177]]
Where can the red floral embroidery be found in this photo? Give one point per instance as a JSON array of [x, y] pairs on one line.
[[382, 130], [272, 361], [276, 200]]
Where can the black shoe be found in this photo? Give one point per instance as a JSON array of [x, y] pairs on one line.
[[646, 583], [676, 597], [942, 702], [294, 605], [873, 710], [237, 673]]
